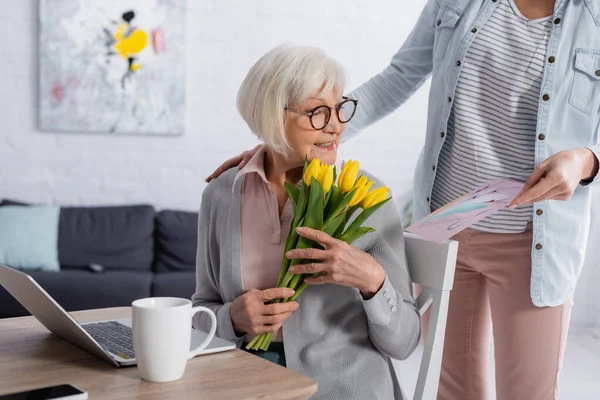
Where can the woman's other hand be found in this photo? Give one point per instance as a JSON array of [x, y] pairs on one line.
[[340, 263], [250, 315], [237, 161], [557, 177]]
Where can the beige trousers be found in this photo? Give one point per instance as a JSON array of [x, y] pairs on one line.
[[491, 294]]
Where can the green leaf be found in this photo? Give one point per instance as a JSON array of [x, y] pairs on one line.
[[351, 236], [292, 237], [334, 225], [293, 193], [351, 212], [326, 203], [340, 207], [362, 218], [300, 210], [314, 212], [347, 217], [290, 243], [336, 197], [340, 229]]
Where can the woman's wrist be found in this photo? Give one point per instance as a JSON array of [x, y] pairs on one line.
[[236, 328], [590, 168], [373, 283]]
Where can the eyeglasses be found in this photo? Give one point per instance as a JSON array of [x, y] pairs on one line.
[[320, 116]]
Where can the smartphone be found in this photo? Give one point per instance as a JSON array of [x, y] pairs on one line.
[[63, 392]]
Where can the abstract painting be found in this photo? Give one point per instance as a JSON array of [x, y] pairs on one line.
[[114, 66]]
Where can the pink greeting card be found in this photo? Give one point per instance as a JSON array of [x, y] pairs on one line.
[[467, 210]]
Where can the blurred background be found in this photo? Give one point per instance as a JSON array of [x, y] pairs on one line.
[[217, 43]]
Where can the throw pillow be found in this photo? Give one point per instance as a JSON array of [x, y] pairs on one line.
[[29, 237]]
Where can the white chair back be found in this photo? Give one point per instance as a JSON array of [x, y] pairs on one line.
[[432, 267]]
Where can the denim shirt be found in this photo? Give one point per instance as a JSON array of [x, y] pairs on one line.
[[568, 118]]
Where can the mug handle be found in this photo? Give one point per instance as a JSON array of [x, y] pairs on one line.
[[211, 334]]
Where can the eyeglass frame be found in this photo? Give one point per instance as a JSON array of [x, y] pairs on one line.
[[337, 108]]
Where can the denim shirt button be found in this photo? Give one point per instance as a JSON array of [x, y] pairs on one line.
[[539, 211], [538, 246]]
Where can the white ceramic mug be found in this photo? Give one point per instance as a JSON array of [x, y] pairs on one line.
[[162, 334]]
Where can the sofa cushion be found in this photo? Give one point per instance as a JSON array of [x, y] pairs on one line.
[[29, 237], [116, 237], [174, 284], [176, 241], [81, 290]]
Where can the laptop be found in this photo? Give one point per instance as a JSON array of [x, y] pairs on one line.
[[109, 340]]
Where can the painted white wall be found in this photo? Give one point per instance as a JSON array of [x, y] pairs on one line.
[[225, 38], [586, 309]]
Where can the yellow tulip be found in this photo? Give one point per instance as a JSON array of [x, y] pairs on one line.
[[348, 176], [322, 170], [312, 171], [326, 178], [375, 197], [362, 186]]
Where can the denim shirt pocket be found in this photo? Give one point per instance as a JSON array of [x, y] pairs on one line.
[[585, 90], [447, 19]]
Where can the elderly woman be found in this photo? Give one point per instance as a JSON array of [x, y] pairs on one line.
[[359, 313]]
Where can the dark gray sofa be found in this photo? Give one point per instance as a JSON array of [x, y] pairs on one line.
[[110, 256]]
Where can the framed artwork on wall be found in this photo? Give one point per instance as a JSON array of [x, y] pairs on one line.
[[114, 66]]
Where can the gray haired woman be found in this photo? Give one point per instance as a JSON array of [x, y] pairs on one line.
[[359, 313]]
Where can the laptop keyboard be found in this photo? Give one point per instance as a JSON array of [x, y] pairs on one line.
[[112, 336]]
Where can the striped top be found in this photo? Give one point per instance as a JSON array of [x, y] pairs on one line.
[[492, 125]]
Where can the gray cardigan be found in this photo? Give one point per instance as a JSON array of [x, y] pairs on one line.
[[342, 341]]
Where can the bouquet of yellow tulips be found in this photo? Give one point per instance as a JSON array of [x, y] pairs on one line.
[[320, 204]]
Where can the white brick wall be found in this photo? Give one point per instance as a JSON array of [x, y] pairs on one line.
[[225, 38]]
